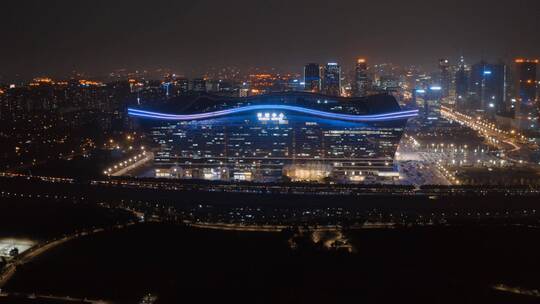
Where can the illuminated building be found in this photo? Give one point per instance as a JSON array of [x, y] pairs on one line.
[[199, 85], [312, 77], [293, 83], [302, 135], [462, 83], [389, 83], [445, 78], [331, 81], [525, 87], [488, 87], [182, 85], [361, 81], [262, 83]]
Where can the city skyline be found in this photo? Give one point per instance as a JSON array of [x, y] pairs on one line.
[[347, 70]]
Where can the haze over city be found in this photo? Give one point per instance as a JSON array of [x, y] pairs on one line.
[[189, 37], [269, 152]]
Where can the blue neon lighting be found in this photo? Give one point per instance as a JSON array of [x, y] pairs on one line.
[[487, 72], [358, 118], [436, 88]]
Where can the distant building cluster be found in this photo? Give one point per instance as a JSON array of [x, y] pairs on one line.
[[44, 96], [329, 79], [503, 91]]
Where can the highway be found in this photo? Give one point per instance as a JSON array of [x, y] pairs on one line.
[[418, 167], [517, 290], [65, 299], [515, 145], [65, 188], [130, 164]]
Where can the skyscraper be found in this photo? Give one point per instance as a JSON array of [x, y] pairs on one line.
[[525, 85], [462, 83], [199, 85], [445, 78], [488, 86], [331, 82], [361, 81], [182, 85], [312, 77]]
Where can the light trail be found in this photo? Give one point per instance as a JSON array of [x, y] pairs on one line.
[[346, 117], [487, 129]]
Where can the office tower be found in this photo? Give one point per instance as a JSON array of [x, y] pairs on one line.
[[182, 85], [312, 77], [445, 79], [488, 87], [462, 83], [199, 85], [389, 83], [331, 82], [361, 81], [525, 86]]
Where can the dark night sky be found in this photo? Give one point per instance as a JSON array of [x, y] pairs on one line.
[[54, 37]]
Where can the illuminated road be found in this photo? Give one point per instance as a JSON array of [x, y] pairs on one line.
[[124, 167], [279, 228], [51, 297], [495, 136], [513, 143], [327, 190], [419, 168]]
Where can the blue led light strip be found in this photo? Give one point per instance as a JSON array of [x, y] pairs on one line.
[[359, 118]]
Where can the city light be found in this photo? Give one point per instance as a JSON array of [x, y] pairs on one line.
[[255, 151], [271, 117], [346, 117]]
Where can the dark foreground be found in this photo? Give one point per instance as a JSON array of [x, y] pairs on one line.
[[181, 265]]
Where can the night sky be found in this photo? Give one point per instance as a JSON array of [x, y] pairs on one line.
[[55, 37]]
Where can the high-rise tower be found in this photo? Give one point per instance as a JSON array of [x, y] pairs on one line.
[[445, 78], [361, 78], [331, 82], [525, 86], [312, 77]]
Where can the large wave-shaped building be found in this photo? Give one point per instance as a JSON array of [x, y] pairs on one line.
[[303, 136]]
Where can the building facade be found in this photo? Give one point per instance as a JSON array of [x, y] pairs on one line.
[[488, 87], [361, 78], [445, 79], [525, 87], [312, 77], [331, 81], [295, 135]]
